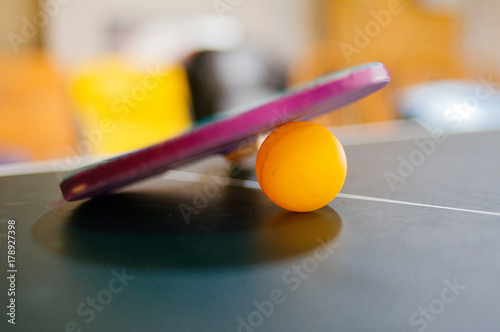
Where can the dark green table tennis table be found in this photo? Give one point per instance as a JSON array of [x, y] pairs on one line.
[[412, 243]]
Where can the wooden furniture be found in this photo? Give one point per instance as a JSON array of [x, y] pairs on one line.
[[414, 43], [35, 122]]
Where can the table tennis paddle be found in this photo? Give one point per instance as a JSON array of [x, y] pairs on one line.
[[226, 132]]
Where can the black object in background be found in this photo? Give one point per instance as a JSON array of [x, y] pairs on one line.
[[221, 81]]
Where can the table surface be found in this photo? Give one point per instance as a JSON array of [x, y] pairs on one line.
[[410, 244]]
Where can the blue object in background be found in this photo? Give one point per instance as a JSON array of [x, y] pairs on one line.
[[452, 106]]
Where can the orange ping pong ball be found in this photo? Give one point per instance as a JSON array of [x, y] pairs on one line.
[[301, 166]]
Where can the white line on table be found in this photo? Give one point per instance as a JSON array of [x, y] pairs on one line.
[[392, 201], [204, 178]]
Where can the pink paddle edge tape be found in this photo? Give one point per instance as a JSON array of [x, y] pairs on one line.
[[325, 94]]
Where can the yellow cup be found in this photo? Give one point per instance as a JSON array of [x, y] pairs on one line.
[[124, 106]]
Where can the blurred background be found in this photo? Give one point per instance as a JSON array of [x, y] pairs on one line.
[[97, 77]]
